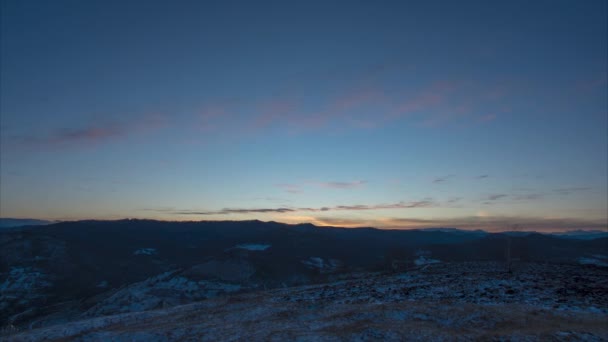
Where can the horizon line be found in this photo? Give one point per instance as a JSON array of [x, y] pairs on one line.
[[471, 229]]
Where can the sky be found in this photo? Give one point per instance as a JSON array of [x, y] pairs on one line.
[[393, 114]]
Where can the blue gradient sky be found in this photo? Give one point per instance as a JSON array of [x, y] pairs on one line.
[[475, 114]]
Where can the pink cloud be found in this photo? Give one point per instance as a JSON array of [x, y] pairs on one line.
[[297, 188], [149, 123], [428, 98], [464, 108], [299, 119], [275, 110], [356, 207], [354, 99], [488, 117], [485, 222], [212, 112], [307, 122], [590, 84], [420, 102], [365, 107], [95, 134], [496, 93], [364, 123], [84, 135], [209, 116], [341, 185], [454, 103], [290, 188]]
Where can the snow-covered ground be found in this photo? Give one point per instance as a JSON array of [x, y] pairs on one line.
[[442, 301], [22, 287], [561, 287]]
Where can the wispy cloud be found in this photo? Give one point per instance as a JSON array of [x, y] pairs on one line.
[[85, 135], [528, 197], [367, 106], [275, 110], [272, 199], [356, 207], [342, 222], [424, 100], [363, 106], [228, 211], [357, 98], [590, 84], [496, 197], [488, 117], [341, 185], [399, 205], [488, 223], [94, 133], [446, 102], [210, 117], [568, 191], [79, 137], [290, 188], [160, 209], [443, 179], [352, 108], [482, 176]]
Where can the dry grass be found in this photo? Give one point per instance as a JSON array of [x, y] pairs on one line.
[[305, 313], [262, 320]]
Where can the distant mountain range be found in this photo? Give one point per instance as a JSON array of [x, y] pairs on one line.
[[583, 234], [15, 222], [453, 230], [574, 234]]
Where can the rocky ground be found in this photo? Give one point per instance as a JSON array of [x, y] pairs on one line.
[[444, 301], [549, 286]]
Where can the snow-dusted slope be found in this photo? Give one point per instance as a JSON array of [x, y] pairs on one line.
[[165, 290], [444, 301]]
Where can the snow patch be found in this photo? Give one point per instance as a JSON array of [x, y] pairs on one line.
[[422, 260], [22, 287], [164, 290], [24, 279], [253, 246], [314, 262], [324, 266], [146, 251], [593, 261]]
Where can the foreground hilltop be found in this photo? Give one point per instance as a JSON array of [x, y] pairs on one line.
[[469, 300], [64, 272]]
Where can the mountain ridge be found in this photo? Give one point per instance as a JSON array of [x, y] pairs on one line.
[[21, 222]]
